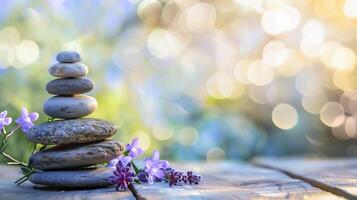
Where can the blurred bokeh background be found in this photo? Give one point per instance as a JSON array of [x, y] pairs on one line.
[[199, 80]]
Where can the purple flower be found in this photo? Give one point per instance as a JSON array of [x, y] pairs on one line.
[[154, 167], [134, 149], [191, 178], [143, 176], [124, 159], [175, 177], [4, 121], [123, 174], [26, 119], [156, 158]]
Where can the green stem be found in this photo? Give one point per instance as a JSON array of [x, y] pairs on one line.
[[12, 131], [23, 181], [13, 159], [24, 177]]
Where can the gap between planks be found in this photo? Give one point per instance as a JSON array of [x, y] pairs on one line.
[[314, 183]]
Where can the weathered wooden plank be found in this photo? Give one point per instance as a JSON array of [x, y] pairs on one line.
[[10, 191], [234, 181], [338, 176]]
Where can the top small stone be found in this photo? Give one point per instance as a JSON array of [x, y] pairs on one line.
[[68, 57]]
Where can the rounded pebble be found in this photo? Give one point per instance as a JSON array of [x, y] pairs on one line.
[[89, 178], [76, 155], [68, 70], [73, 131], [70, 86], [68, 57], [70, 107]]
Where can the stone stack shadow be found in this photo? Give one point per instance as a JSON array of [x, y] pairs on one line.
[[80, 145]]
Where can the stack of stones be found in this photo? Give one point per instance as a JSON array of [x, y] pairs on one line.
[[80, 144]]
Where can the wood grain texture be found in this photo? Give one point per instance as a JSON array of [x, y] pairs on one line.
[[338, 176], [10, 191], [234, 181]]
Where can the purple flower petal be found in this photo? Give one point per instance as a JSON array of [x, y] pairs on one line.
[[149, 164], [33, 116], [151, 179], [125, 160], [158, 173], [133, 148], [24, 111], [26, 119], [155, 155], [3, 114], [135, 142], [7, 121]]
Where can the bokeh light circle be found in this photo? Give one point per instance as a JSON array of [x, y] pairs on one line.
[[332, 114], [284, 116]]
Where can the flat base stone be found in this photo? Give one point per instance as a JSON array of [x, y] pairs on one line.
[[76, 155], [89, 178]]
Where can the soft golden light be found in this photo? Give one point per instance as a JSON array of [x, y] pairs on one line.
[[350, 9], [291, 65], [215, 154], [325, 8], [284, 116], [7, 56], [314, 33], [188, 136], [327, 51], [274, 22], [149, 11], [27, 52], [162, 132], [273, 53], [144, 139], [314, 104], [199, 17], [351, 127], [9, 36], [259, 73], [344, 59], [220, 86], [332, 114], [241, 71], [163, 44]]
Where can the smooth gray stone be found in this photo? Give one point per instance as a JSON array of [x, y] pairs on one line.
[[68, 70], [76, 155], [74, 131], [70, 86], [90, 178], [70, 107], [68, 57]]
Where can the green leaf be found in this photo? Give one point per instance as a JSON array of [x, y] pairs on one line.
[[136, 169]]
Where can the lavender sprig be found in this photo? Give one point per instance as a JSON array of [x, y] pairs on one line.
[[127, 173], [25, 122]]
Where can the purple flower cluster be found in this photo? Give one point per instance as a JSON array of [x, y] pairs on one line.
[[176, 177], [25, 121], [123, 174], [155, 170]]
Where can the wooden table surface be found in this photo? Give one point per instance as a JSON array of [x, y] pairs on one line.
[[264, 178]]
